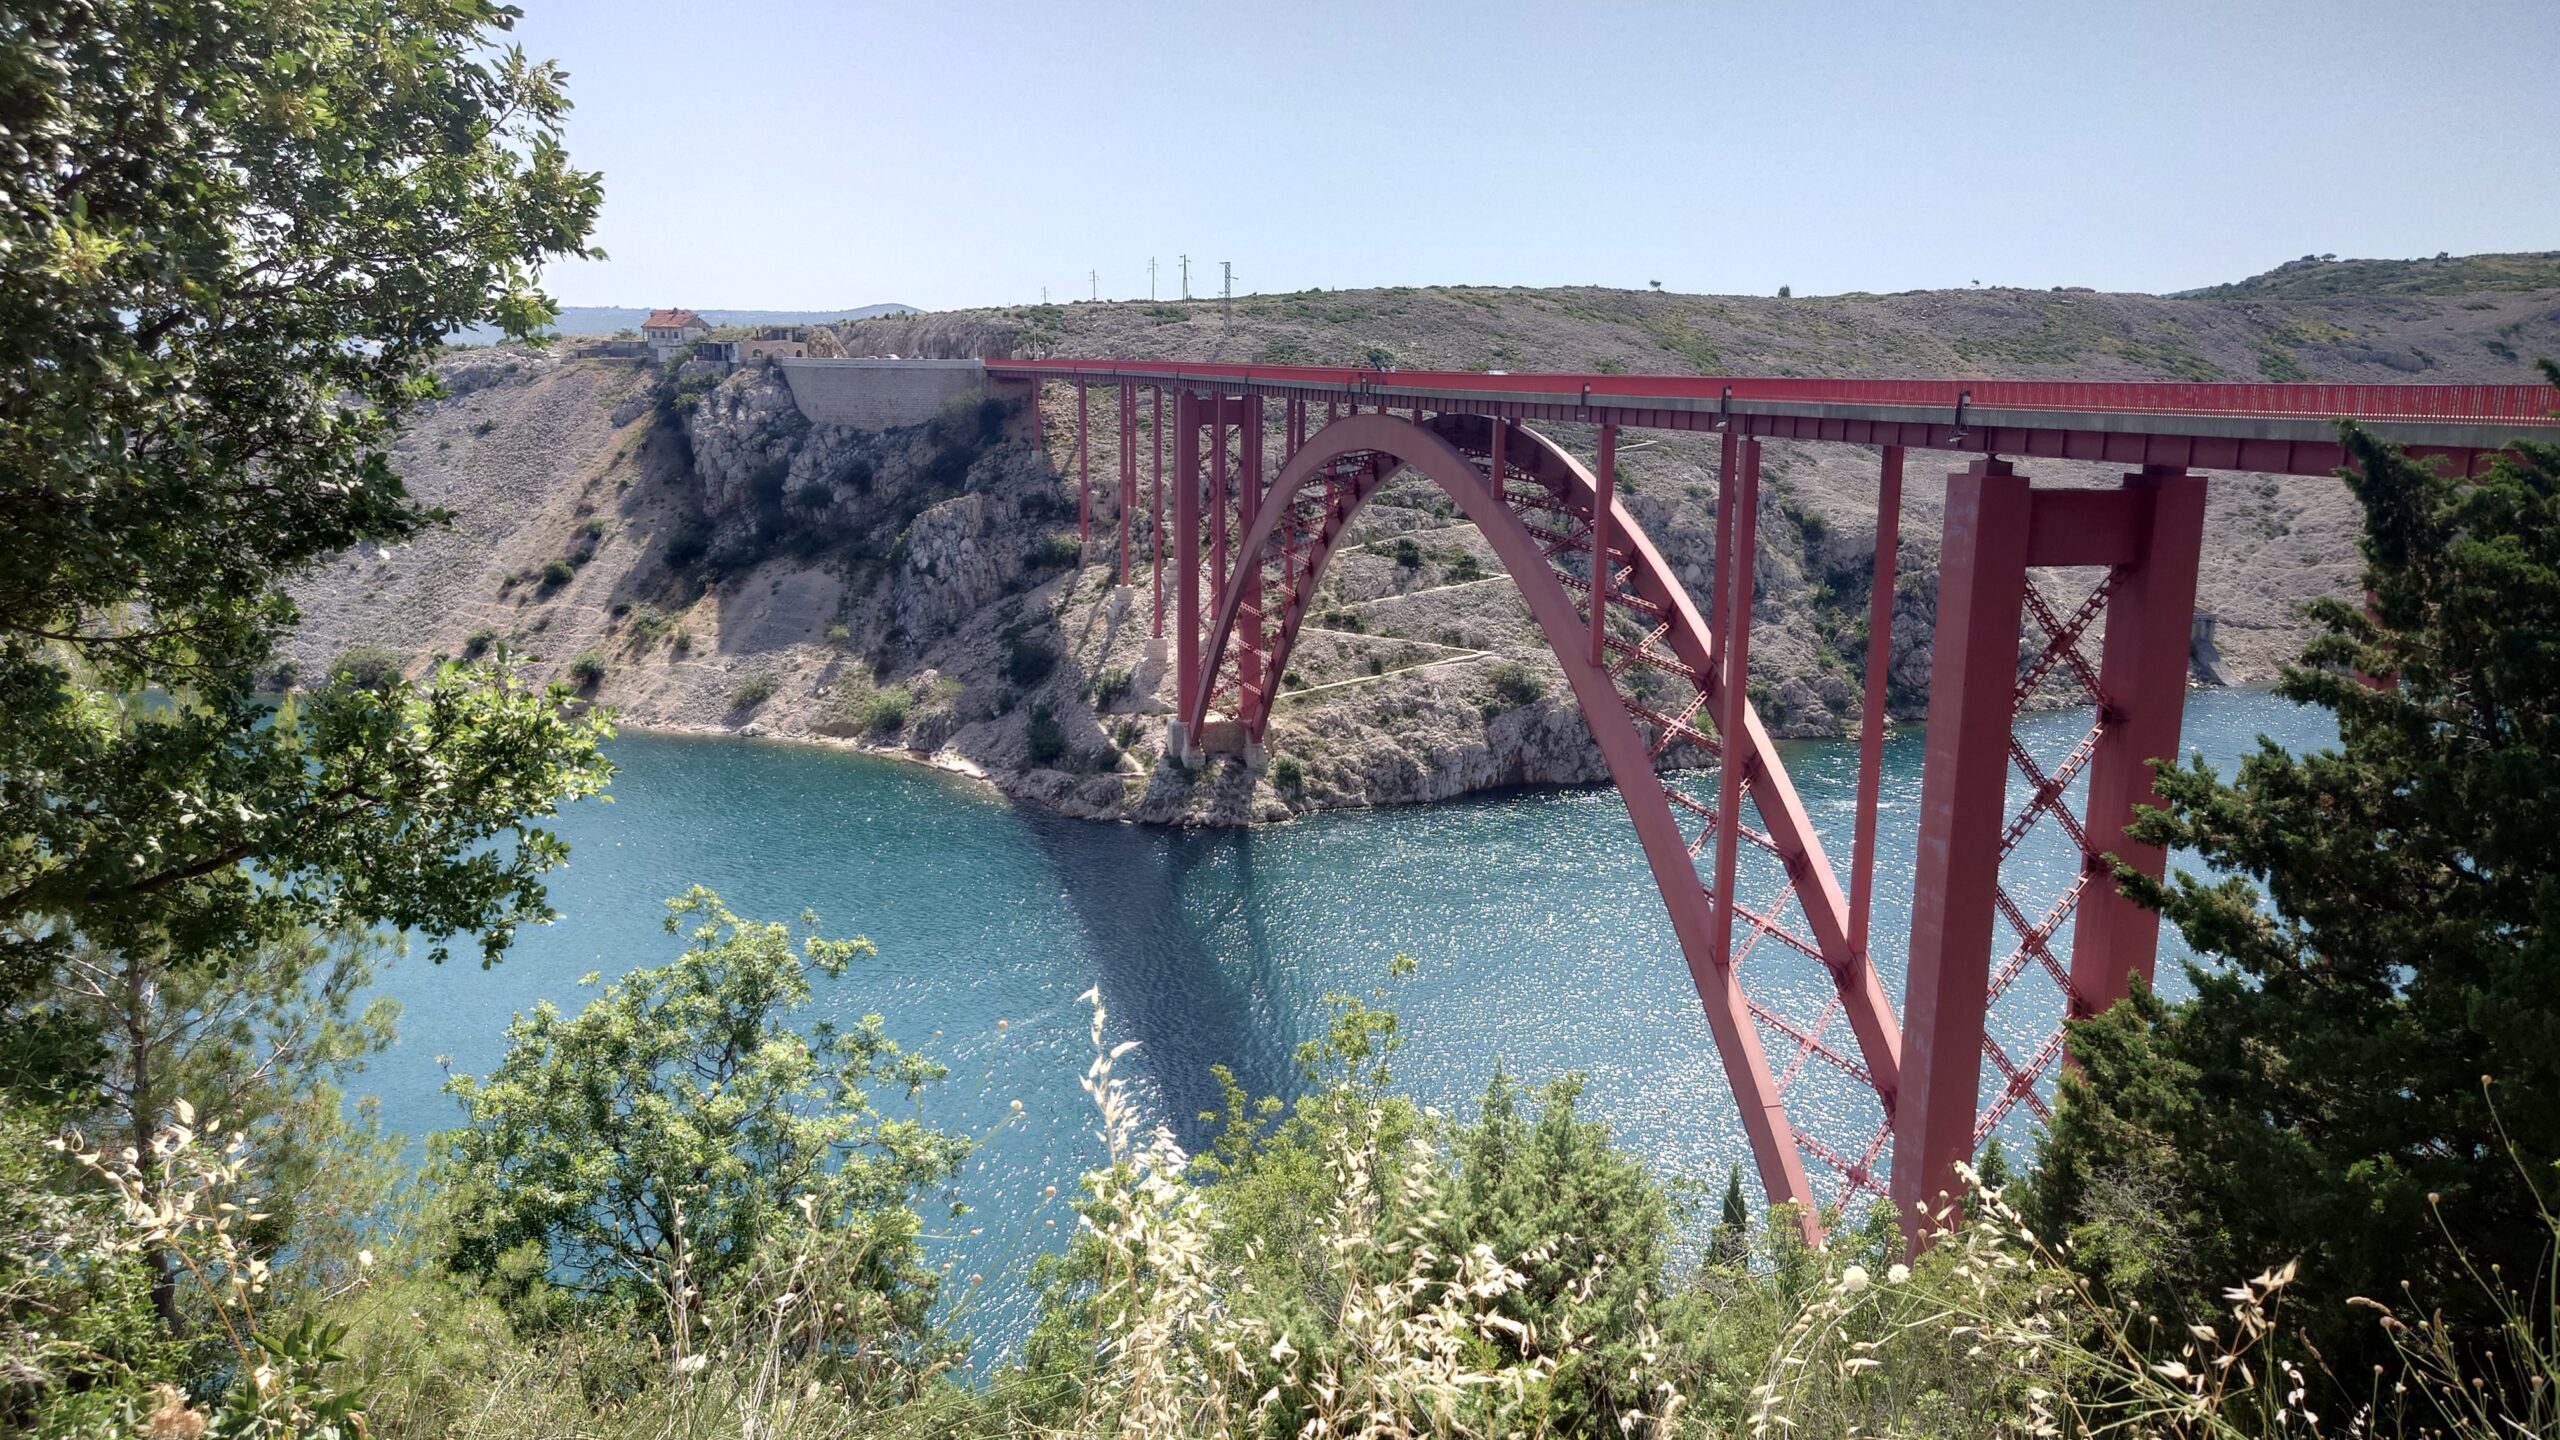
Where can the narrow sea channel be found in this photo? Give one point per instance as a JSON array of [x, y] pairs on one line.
[[1537, 931]]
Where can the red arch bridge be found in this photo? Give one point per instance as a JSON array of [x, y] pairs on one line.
[[1271, 463]]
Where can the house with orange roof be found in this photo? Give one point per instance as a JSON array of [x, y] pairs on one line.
[[668, 331]]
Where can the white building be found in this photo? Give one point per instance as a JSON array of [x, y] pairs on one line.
[[668, 331]]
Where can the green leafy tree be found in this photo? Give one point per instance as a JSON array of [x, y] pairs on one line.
[[1993, 1166], [265, 1045], [237, 231], [1555, 1196], [1730, 1243], [2368, 1077], [649, 1148]]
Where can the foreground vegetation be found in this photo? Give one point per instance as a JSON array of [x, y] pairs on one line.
[[2313, 1200]]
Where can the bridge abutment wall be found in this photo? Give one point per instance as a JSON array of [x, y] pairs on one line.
[[885, 394]]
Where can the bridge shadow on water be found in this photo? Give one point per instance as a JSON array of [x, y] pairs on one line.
[[1183, 959]]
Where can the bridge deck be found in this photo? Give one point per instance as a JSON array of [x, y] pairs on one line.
[[2280, 429]]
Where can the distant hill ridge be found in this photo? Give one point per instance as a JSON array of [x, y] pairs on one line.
[[2322, 276], [610, 319]]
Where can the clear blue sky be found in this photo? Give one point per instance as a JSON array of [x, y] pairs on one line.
[[794, 154]]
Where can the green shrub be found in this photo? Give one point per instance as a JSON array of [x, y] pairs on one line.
[[556, 573], [1027, 662], [1056, 551], [479, 642], [1515, 684], [683, 643], [720, 1091], [1047, 743], [858, 709], [367, 667], [753, 691], [687, 546], [1408, 553], [1288, 775], [588, 669]]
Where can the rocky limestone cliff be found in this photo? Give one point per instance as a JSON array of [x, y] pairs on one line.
[[702, 557]]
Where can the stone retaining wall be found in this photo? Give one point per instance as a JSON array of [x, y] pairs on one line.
[[885, 394]]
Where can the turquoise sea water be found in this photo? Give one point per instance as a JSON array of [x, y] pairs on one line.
[[1538, 934]]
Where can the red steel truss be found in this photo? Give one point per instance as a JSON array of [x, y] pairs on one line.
[[1777, 951], [1652, 688]]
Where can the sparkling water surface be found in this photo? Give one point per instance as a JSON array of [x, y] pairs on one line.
[[1537, 930]]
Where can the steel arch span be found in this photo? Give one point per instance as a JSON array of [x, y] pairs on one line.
[[2018, 844], [1776, 972]]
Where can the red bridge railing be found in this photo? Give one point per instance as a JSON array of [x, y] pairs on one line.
[[2496, 404]]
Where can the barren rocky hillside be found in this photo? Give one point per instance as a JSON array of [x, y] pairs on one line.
[[697, 555]]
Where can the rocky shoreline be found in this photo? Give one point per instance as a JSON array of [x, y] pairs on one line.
[[691, 551]]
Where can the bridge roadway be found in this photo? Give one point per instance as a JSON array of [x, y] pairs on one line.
[[2273, 429], [1900, 1098]]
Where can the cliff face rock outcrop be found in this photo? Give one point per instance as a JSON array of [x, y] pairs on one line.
[[958, 560], [730, 566]]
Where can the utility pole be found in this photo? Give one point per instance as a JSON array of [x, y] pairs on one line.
[[1096, 277], [1044, 294], [1186, 277], [1151, 277], [1227, 294]]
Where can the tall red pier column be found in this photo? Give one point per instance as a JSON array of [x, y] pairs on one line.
[[2148, 536], [2142, 669], [1973, 673], [1218, 482], [1186, 567], [1602, 510], [1155, 530], [1252, 685], [1862, 865], [1084, 475], [1735, 573], [1128, 407], [1727, 460]]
